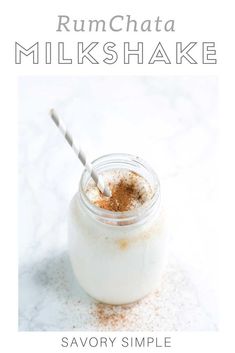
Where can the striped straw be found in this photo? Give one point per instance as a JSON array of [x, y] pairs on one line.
[[80, 154]]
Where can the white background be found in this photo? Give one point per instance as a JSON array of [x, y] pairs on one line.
[[172, 122], [201, 21]]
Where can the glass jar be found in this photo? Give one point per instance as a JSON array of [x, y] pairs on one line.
[[117, 257]]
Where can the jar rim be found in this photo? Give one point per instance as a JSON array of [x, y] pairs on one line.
[[124, 216]]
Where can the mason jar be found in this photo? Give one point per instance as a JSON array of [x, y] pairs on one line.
[[117, 257]]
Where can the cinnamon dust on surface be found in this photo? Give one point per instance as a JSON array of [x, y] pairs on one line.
[[125, 194], [114, 316]]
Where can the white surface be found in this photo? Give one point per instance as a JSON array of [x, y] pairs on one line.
[[170, 122]]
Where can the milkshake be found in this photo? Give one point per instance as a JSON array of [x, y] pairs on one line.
[[117, 244]]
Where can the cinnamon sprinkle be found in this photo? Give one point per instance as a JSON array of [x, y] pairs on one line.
[[114, 316], [124, 194]]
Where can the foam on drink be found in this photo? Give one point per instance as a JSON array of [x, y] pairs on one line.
[[129, 191]]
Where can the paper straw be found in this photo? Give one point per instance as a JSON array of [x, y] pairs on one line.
[[98, 179]]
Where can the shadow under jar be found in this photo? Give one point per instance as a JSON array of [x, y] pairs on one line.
[[117, 257]]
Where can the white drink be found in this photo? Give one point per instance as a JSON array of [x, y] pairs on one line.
[[117, 245]]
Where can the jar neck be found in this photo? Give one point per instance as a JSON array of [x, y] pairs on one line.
[[134, 216]]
